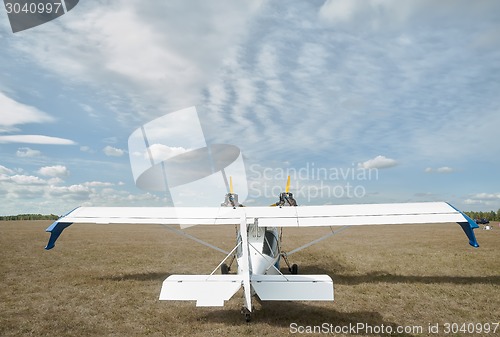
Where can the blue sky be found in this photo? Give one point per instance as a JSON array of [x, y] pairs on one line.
[[406, 89]]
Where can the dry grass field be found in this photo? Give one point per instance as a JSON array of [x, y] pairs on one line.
[[104, 280]]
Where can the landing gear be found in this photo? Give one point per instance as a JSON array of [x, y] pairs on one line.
[[247, 314], [293, 269], [226, 268]]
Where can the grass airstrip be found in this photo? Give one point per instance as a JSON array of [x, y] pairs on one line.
[[104, 280]]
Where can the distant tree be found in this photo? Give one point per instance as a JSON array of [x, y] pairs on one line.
[[25, 217]]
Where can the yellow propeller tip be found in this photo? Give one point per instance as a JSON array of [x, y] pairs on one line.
[[287, 185]]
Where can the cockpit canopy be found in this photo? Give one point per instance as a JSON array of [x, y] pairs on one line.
[[269, 243], [270, 246]]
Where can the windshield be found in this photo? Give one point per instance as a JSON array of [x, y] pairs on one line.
[[270, 247]]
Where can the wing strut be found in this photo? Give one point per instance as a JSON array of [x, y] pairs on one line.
[[245, 265], [194, 238], [227, 256], [318, 240]]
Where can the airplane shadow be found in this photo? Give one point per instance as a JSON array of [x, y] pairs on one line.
[[293, 314], [384, 277], [340, 277], [158, 276], [283, 313]]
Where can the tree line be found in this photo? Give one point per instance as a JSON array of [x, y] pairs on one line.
[[25, 217], [490, 216]]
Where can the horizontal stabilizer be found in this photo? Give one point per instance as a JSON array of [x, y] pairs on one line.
[[293, 287], [206, 290]]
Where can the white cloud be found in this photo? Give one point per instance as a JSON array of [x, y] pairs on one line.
[[472, 202], [113, 151], [443, 169], [486, 196], [36, 139], [29, 194], [379, 162], [483, 199], [161, 152], [110, 140], [27, 180], [54, 171], [310, 85], [88, 109], [86, 149], [5, 170], [74, 192], [97, 184], [167, 52], [295, 81], [26, 192], [338, 10], [15, 113], [376, 14], [24, 152]]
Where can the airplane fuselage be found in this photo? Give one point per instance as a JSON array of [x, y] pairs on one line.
[[263, 250]]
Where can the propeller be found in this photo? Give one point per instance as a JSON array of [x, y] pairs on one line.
[[286, 198], [231, 198]]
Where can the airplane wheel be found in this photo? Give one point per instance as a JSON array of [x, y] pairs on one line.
[[295, 269], [224, 269], [247, 313]]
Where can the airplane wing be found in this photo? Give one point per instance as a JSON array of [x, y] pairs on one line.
[[300, 216], [183, 216], [368, 214]]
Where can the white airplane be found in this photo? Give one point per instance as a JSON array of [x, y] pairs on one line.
[[258, 247]]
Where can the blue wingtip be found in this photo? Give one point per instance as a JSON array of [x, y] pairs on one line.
[[468, 228], [55, 230]]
